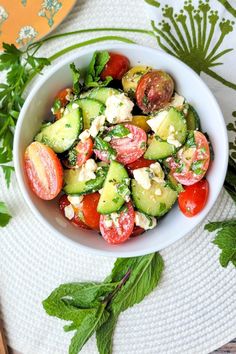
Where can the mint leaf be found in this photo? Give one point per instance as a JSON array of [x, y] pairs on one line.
[[104, 335], [119, 131], [102, 145], [97, 64], [87, 328], [7, 170], [225, 239], [76, 77], [4, 215], [145, 273], [230, 180]]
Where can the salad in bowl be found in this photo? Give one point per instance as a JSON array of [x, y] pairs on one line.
[[120, 149]]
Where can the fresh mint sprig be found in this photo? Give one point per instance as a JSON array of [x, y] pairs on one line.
[[95, 307], [5, 216]]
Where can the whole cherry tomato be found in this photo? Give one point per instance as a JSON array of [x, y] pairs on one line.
[[116, 67], [89, 210]]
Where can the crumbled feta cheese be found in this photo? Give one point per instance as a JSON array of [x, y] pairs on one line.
[[144, 221], [87, 171], [107, 139], [158, 191], [115, 219], [107, 222], [75, 201], [156, 121], [142, 176], [177, 101], [118, 109], [69, 212], [84, 135], [100, 191], [158, 172], [173, 141], [96, 125], [171, 129], [75, 105]]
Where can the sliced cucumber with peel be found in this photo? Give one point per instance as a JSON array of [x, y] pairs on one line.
[[159, 150], [90, 109], [176, 119], [110, 201], [192, 119], [61, 135], [101, 94], [148, 201], [75, 187]]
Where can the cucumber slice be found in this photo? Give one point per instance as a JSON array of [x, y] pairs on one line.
[[61, 135], [90, 109], [192, 119], [176, 119], [159, 150], [174, 184], [148, 202], [75, 187], [101, 93], [110, 201]]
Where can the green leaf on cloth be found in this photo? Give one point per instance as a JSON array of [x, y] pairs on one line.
[[4, 215]]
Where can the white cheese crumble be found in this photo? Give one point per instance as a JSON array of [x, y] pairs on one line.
[[158, 191], [69, 212], [173, 141], [158, 172], [108, 222], [177, 101], [100, 191], [97, 125], [84, 135], [87, 171], [111, 219], [144, 221], [156, 121], [118, 109], [75, 201], [107, 139], [75, 105], [142, 176]]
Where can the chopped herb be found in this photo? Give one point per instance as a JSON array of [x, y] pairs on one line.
[[119, 131], [143, 145], [123, 188], [115, 200], [97, 64], [196, 167], [180, 168], [72, 157], [145, 100], [131, 93], [102, 145], [190, 142], [162, 208], [76, 77], [67, 125], [56, 106]]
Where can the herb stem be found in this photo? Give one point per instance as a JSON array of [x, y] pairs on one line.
[[120, 284]]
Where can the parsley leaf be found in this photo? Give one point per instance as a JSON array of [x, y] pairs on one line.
[[225, 239], [102, 145], [4, 215], [97, 64], [119, 131]]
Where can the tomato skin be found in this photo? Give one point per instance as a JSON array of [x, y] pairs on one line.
[[120, 234], [63, 202], [187, 176], [141, 162], [193, 199], [137, 231], [154, 91], [89, 209], [44, 171], [61, 96], [116, 66], [128, 149], [85, 150]]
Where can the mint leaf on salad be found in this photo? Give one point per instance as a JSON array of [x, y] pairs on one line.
[[5, 216], [75, 77], [97, 64]]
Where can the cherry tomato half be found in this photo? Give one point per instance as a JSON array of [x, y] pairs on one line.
[[116, 67], [193, 199], [120, 232], [89, 210], [84, 150], [192, 163], [128, 149], [154, 91], [63, 202], [44, 171], [61, 101], [141, 162]]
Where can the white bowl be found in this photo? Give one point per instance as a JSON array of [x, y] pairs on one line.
[[174, 225]]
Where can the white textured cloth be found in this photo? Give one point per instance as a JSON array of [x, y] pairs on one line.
[[192, 310]]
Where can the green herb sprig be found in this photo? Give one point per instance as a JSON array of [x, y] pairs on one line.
[[95, 307], [4, 215]]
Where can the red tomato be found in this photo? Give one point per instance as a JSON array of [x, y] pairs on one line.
[[137, 231], [193, 199], [44, 171], [116, 234], [63, 202], [141, 162], [62, 97], [192, 162], [128, 149], [154, 91], [89, 209], [85, 150], [116, 66]]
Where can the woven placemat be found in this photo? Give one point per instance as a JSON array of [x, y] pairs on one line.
[[192, 311]]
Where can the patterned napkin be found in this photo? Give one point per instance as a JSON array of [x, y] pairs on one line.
[[193, 310]]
